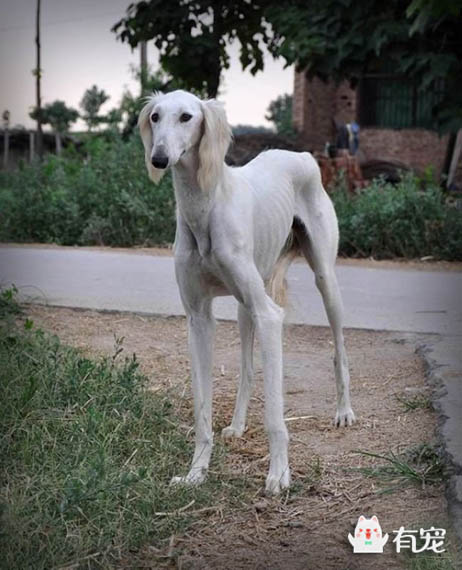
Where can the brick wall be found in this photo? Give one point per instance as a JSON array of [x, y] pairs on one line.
[[316, 104], [414, 147]]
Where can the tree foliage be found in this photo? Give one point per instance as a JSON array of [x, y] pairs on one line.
[[280, 113], [345, 39], [91, 103], [130, 105], [57, 114], [192, 37]]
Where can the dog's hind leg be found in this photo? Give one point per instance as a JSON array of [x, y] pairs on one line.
[[247, 333], [316, 231]]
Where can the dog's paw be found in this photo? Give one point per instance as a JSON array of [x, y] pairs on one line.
[[275, 484], [344, 418], [194, 477], [230, 432]]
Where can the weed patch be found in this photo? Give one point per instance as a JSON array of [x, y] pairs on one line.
[[420, 465]]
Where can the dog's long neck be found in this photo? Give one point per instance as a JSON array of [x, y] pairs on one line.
[[194, 205]]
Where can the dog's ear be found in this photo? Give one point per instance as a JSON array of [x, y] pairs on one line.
[[213, 145], [144, 124]]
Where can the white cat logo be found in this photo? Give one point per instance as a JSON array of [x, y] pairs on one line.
[[368, 536]]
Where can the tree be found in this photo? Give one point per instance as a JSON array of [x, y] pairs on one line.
[[130, 105], [113, 118], [91, 103], [280, 113], [59, 116], [192, 37], [345, 39]]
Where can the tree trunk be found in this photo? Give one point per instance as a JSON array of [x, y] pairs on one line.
[[31, 146], [455, 159], [214, 83], [58, 143], [38, 73], [6, 147]]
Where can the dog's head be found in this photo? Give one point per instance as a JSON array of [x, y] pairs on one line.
[[174, 124]]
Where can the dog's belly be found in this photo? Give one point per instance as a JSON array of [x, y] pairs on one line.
[[216, 286]]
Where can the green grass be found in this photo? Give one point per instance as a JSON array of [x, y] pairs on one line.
[[87, 455], [430, 562], [420, 465], [417, 402]]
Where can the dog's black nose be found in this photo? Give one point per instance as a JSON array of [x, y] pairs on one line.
[[159, 161]]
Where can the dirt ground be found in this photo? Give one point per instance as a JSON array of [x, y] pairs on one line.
[[309, 528]]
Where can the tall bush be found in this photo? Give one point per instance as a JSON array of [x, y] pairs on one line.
[[105, 199], [403, 220]]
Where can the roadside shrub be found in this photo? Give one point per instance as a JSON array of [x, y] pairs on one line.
[[106, 199], [403, 220]]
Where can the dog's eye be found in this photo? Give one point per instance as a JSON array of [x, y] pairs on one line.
[[155, 117], [185, 117]]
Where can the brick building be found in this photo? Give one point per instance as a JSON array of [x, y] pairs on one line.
[[395, 121]]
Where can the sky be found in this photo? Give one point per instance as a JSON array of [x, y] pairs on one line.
[[79, 50]]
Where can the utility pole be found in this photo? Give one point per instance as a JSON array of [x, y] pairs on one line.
[[6, 137], [38, 74], [143, 67]]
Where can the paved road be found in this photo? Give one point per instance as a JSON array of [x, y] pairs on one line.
[[382, 299]]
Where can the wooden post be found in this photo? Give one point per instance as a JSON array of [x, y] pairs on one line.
[[455, 158], [31, 146], [6, 145], [6, 137]]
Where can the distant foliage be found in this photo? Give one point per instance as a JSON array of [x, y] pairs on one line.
[[403, 220], [56, 114], [280, 113], [91, 103]]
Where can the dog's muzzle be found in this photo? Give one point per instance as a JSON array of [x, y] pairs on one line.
[[159, 161]]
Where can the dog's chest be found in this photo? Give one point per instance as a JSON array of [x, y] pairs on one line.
[[198, 221]]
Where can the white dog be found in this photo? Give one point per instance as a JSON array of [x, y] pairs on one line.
[[237, 230]]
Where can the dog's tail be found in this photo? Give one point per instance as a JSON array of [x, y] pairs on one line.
[[277, 284]]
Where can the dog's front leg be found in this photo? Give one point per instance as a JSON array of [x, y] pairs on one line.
[[201, 326], [246, 284], [268, 318]]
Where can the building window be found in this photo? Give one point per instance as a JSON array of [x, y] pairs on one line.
[[392, 101]]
